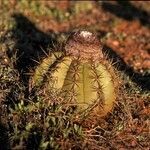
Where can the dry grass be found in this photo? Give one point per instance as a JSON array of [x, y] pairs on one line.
[[44, 121]]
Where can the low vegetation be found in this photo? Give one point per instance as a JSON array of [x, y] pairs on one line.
[[41, 119]]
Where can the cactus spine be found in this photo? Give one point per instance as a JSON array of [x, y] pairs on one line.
[[81, 74]]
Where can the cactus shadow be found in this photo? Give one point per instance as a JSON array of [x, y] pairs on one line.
[[141, 80], [4, 140], [30, 44], [127, 11]]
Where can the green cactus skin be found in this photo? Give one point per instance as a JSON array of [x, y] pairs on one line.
[[85, 79]]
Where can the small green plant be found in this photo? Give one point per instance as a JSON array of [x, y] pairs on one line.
[[42, 125], [82, 6], [81, 74]]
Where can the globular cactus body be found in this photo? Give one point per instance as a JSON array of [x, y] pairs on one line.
[[82, 75]]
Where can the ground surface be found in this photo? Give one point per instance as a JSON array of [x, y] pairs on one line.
[[30, 28]]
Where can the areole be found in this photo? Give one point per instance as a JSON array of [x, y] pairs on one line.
[[84, 45]]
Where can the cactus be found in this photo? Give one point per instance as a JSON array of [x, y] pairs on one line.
[[81, 74]]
